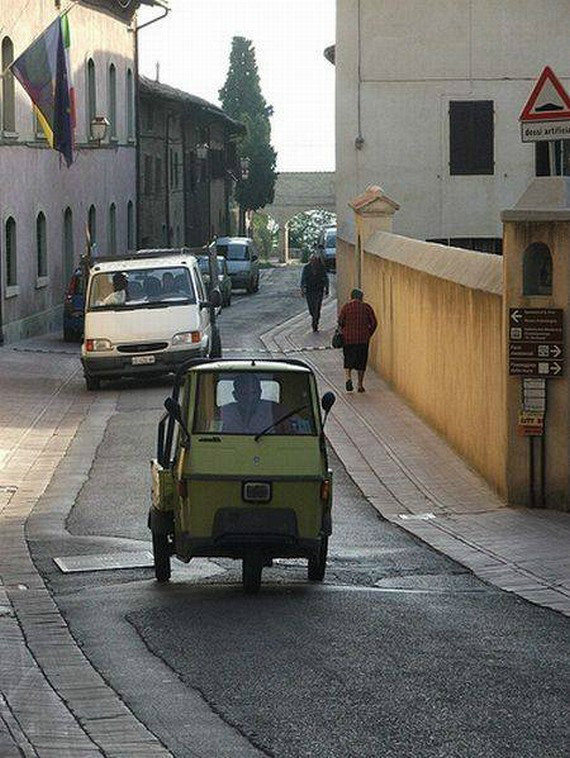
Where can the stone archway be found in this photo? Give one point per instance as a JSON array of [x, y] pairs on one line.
[[297, 192]]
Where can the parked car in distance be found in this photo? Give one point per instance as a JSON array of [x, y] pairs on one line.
[[242, 259], [327, 247], [74, 307], [224, 279]]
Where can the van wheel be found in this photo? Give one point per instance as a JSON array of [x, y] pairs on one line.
[[161, 555], [252, 566], [318, 562], [92, 383]]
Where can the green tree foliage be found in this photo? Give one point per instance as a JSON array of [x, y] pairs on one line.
[[242, 100], [265, 233], [304, 230]]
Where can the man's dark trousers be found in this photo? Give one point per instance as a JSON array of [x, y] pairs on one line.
[[315, 301]]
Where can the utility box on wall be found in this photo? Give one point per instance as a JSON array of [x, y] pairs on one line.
[[536, 250]]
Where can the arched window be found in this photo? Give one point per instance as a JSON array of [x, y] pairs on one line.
[[91, 95], [67, 244], [8, 100], [130, 105], [537, 270], [112, 101], [130, 226], [41, 245], [112, 230], [11, 253], [92, 225]]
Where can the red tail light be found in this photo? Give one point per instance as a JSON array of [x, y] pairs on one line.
[[325, 490]]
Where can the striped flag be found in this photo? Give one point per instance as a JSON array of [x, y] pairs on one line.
[[43, 71]]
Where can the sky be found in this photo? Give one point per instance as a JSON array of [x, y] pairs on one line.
[[192, 47]]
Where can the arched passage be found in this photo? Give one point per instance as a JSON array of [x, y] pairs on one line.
[[299, 192]]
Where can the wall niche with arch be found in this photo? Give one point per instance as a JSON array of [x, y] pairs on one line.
[[537, 270]]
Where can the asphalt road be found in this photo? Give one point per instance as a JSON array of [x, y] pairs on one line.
[[401, 652]]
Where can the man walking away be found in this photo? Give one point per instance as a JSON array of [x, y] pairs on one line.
[[314, 285], [358, 323]]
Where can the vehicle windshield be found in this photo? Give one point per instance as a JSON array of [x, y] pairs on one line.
[[251, 402], [330, 240], [141, 288], [235, 251], [204, 265]]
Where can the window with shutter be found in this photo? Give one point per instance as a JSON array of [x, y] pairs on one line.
[[471, 137]]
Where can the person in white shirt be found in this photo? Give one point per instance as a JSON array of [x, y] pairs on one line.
[[119, 294]]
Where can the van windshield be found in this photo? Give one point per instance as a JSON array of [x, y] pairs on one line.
[[235, 251], [330, 240], [141, 288], [251, 402]]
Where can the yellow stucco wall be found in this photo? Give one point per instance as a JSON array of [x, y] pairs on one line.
[[440, 341]]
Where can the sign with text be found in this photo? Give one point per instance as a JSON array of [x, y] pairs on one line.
[[530, 424], [536, 342]]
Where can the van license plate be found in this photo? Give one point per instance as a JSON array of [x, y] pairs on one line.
[[142, 360]]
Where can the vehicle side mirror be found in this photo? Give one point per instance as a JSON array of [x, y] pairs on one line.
[[215, 298], [327, 402]]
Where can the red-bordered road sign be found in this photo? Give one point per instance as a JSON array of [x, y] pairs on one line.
[[548, 100]]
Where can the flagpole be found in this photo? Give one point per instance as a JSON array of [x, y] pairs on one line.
[[39, 34]]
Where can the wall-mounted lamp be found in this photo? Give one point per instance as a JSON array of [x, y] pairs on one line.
[[202, 151], [99, 126], [244, 167]]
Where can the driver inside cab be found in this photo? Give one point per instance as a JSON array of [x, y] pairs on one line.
[[249, 414]]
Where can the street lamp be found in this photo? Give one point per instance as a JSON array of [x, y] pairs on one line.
[[244, 167], [202, 151], [99, 126]]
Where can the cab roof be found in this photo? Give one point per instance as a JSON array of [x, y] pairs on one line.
[[253, 365], [136, 263]]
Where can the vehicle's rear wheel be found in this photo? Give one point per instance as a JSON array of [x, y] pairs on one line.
[[161, 555], [92, 383], [318, 563], [252, 566]]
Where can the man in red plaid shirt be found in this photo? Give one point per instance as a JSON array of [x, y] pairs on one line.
[[358, 323]]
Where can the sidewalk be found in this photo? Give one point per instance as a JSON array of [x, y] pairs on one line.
[[414, 479]]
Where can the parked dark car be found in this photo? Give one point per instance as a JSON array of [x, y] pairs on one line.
[[224, 280], [74, 307], [327, 247], [243, 261]]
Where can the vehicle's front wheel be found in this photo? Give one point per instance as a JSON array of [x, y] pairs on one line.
[[92, 383], [318, 563], [252, 567], [161, 555]]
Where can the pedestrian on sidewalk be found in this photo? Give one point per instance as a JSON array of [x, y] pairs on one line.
[[314, 286], [358, 323]]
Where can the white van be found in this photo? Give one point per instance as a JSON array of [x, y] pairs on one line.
[[145, 314]]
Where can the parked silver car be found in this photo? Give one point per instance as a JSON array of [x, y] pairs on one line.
[[243, 261]]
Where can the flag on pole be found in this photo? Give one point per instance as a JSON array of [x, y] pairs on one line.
[[43, 71]]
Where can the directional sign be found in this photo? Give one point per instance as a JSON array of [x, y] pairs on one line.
[[536, 342]]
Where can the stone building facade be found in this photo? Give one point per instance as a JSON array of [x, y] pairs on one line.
[[45, 207], [187, 167], [428, 96]]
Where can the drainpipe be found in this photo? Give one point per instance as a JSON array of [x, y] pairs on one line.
[[137, 29]]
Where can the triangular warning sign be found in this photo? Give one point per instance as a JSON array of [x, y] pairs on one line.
[[548, 100]]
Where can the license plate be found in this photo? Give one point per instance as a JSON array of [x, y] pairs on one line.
[[142, 360]]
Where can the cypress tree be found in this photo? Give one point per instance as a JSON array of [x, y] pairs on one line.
[[242, 100]]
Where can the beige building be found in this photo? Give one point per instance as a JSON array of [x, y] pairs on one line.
[[428, 98], [45, 207]]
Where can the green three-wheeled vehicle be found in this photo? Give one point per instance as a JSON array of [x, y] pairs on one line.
[[241, 468]]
